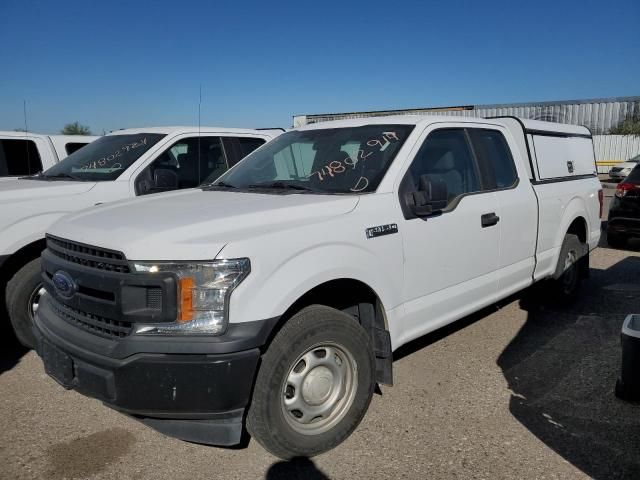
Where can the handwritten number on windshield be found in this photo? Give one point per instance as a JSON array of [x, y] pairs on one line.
[[338, 167], [104, 161]]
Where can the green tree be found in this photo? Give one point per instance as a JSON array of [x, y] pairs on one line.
[[75, 128], [628, 126]]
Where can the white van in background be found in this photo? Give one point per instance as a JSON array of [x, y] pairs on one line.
[[26, 153], [122, 164]]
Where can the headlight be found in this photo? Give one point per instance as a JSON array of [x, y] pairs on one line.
[[203, 296]]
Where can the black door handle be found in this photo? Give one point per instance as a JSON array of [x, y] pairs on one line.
[[489, 219]]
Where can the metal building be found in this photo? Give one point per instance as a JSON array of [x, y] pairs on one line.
[[599, 115]]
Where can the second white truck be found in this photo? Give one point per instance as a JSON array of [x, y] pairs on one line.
[[122, 164], [275, 297]]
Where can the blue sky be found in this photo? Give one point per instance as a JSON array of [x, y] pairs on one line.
[[118, 64]]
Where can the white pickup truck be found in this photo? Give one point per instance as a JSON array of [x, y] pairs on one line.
[[25, 153], [123, 164], [277, 294]]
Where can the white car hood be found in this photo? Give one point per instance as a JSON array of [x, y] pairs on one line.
[[19, 190], [195, 224], [624, 165]]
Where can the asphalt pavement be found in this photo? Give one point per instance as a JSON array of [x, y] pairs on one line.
[[519, 390]]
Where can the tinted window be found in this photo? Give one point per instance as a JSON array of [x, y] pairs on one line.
[[73, 147], [248, 145], [104, 159], [446, 155], [191, 159], [494, 158], [634, 176], [326, 160], [19, 157]]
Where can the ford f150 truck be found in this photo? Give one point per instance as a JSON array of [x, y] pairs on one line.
[[126, 163], [26, 153], [274, 297]]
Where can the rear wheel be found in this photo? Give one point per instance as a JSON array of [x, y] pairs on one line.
[[23, 297], [314, 385], [565, 287]]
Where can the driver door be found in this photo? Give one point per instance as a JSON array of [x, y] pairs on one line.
[[451, 258]]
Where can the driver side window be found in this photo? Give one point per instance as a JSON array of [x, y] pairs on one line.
[[446, 155], [186, 164]]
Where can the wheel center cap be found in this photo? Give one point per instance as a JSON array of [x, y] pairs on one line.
[[317, 385]]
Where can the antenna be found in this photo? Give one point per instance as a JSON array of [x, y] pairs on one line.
[[199, 108], [26, 132]]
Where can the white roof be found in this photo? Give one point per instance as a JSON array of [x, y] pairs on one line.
[[192, 129], [68, 138], [428, 119]]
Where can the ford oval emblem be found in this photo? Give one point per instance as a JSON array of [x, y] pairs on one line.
[[64, 284]]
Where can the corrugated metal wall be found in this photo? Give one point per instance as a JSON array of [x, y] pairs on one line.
[[598, 115], [611, 149]]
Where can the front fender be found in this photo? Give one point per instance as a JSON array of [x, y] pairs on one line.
[[271, 289], [26, 231]]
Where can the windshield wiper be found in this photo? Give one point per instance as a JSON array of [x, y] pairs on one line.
[[62, 175], [223, 184], [283, 186]]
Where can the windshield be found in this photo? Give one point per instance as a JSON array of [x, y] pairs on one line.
[[104, 159], [330, 160], [635, 159]]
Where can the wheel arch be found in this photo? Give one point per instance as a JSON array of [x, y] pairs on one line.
[[361, 301], [19, 258]]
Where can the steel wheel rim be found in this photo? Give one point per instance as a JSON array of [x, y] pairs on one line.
[[570, 271], [34, 300], [319, 388]]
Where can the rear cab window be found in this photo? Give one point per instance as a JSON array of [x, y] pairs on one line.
[[19, 157], [494, 158], [72, 147]]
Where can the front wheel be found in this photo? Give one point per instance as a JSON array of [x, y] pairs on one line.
[[315, 384], [23, 297]]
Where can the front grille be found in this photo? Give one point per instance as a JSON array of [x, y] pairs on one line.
[[616, 169], [87, 255], [100, 326]]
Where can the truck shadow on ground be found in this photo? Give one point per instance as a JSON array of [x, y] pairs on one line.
[[296, 468], [562, 367], [11, 351]]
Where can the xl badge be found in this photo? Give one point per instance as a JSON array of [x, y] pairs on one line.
[[64, 284], [380, 230]]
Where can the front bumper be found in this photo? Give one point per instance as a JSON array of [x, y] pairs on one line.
[[628, 226], [193, 390]]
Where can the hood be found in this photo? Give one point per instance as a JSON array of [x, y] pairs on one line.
[[19, 190], [195, 224]]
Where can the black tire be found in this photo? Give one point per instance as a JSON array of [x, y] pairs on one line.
[[616, 240], [19, 295], [565, 285], [267, 420]]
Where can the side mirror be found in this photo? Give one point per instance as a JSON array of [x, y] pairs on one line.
[[165, 179], [431, 197]]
